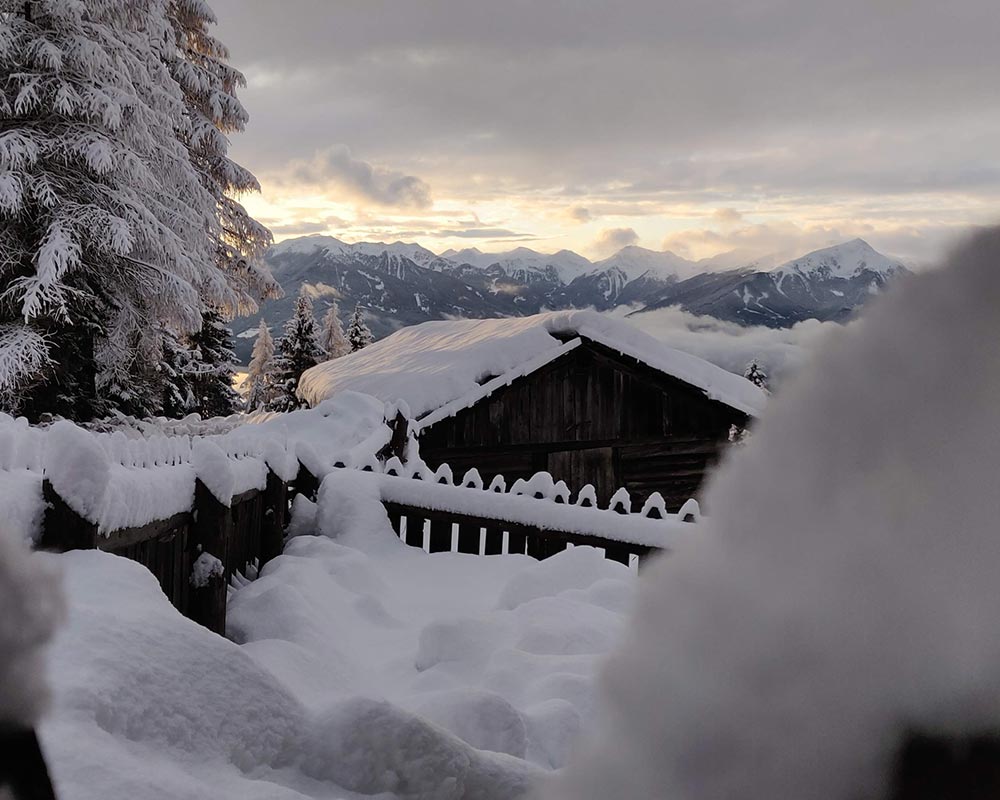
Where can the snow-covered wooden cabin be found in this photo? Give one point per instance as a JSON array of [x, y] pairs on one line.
[[587, 398]]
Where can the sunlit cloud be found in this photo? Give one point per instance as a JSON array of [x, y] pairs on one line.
[[335, 168]]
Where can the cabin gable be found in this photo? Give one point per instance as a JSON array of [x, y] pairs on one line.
[[593, 415]]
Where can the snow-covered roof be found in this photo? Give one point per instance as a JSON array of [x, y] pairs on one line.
[[440, 367]]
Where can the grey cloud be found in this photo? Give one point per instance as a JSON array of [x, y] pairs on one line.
[[613, 239], [485, 233], [781, 100], [338, 167]]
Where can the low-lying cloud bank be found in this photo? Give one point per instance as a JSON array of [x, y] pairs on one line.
[[845, 591], [779, 350]]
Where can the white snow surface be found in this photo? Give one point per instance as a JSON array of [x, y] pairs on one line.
[[844, 590], [361, 667], [444, 362]]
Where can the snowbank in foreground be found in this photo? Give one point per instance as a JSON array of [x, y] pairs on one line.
[[364, 667], [788, 649], [31, 606]]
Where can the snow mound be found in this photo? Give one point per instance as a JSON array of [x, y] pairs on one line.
[[804, 634], [575, 568], [372, 747]]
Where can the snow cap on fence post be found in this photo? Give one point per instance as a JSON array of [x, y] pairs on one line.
[[393, 467], [213, 469], [78, 469], [655, 507], [444, 475], [690, 511], [472, 479], [498, 484], [560, 492], [621, 503], [587, 496]]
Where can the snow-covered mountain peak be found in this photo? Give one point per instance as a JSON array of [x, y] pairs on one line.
[[634, 261], [307, 244], [847, 260], [337, 248]]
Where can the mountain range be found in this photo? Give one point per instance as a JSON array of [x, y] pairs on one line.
[[402, 284]]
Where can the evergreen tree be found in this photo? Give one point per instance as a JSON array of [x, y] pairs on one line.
[[105, 225], [298, 350], [332, 339], [756, 375], [176, 370], [213, 111], [212, 375], [358, 334], [259, 373]]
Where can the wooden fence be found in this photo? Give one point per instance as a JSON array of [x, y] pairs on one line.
[[440, 531], [247, 532]]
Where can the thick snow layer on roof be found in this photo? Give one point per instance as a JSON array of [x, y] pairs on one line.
[[446, 362]]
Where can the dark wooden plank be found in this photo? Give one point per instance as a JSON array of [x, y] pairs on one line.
[[275, 511], [440, 536], [517, 538], [126, 537], [468, 539], [619, 553], [535, 545], [62, 528], [212, 532], [493, 541], [415, 529]]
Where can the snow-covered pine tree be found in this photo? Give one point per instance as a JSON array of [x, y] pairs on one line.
[[756, 375], [259, 371], [105, 226], [176, 368], [213, 111], [212, 361], [358, 334], [332, 338], [298, 350]]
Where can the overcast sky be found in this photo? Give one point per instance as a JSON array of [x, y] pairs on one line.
[[765, 125]]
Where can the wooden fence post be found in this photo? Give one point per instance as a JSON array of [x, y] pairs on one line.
[[212, 530], [62, 528], [272, 540], [306, 483]]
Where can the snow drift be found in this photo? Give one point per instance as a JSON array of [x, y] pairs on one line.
[[845, 591]]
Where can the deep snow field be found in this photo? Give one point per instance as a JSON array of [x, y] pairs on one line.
[[358, 667]]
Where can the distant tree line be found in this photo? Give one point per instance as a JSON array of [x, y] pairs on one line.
[[274, 371]]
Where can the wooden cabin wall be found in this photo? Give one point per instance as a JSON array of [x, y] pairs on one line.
[[591, 416]]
